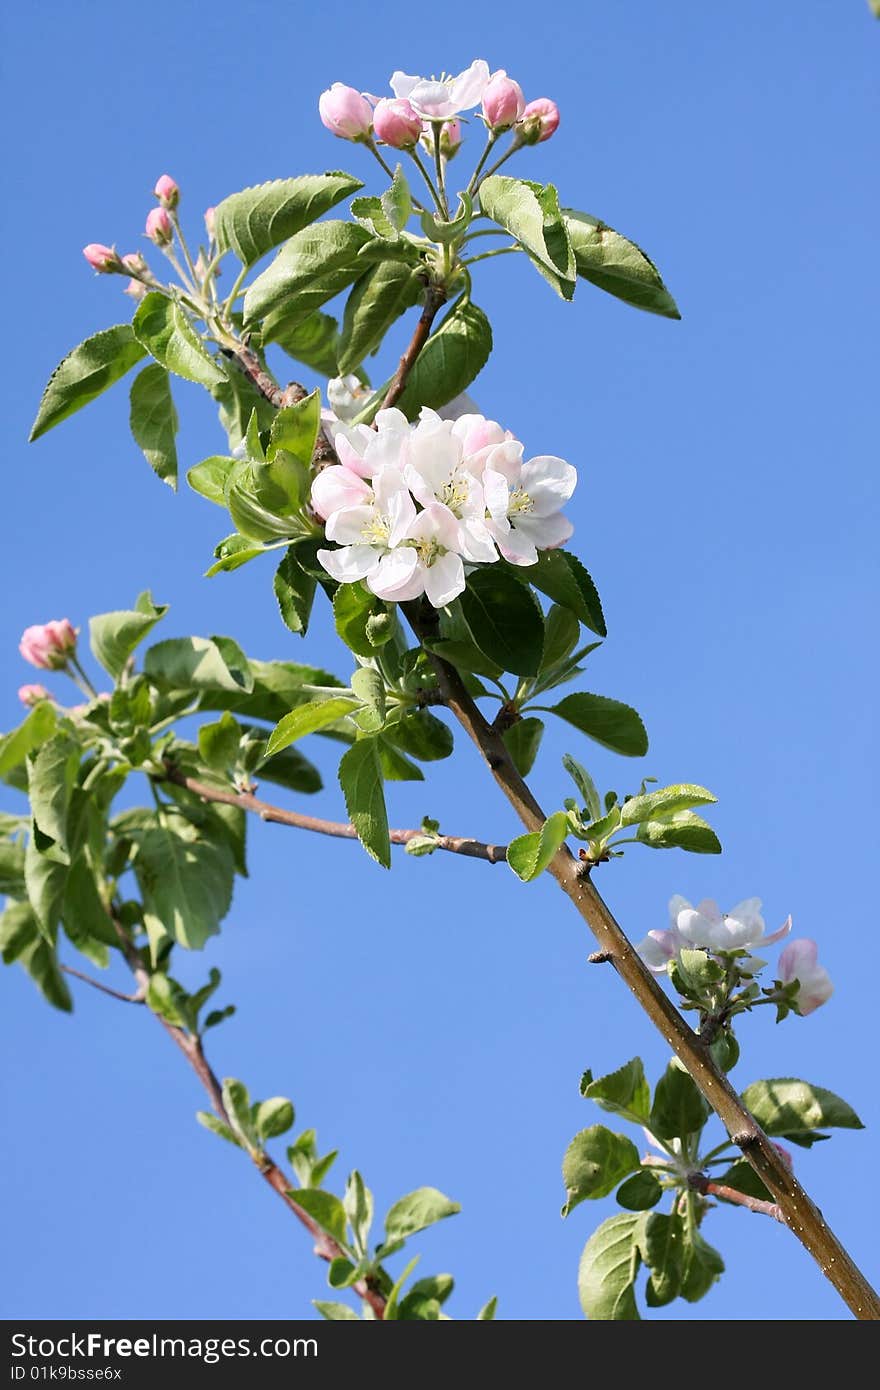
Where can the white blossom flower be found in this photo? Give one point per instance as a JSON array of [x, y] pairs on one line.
[[437, 99], [425, 562], [437, 472], [799, 961], [368, 532], [706, 927], [524, 501]]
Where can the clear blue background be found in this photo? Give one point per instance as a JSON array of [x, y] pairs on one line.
[[433, 1022]]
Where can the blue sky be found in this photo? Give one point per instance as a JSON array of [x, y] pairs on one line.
[[433, 1022]]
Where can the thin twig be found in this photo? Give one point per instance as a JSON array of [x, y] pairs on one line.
[[340, 830], [190, 1045], [742, 1199], [277, 395], [435, 296], [799, 1212], [137, 998]]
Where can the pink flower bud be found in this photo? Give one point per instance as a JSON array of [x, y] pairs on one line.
[[48, 645], [136, 288], [450, 138], [538, 122], [31, 695], [167, 192], [346, 112], [503, 102], [101, 258], [397, 123], [158, 227], [800, 961], [209, 221]]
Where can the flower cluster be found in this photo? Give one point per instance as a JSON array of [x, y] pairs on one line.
[[48, 646], [409, 506], [420, 104], [706, 928], [160, 228]]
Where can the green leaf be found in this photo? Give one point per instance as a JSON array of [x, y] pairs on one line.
[[295, 429], [786, 1106], [622, 1092], [45, 879], [563, 578], [617, 265], [504, 619], [255, 220], [32, 732], [353, 605], [369, 687], [289, 769], [21, 941], [209, 477], [422, 735], [397, 200], [610, 723], [608, 1268], [85, 373], [594, 1163], [51, 776], [585, 785], [664, 802], [237, 1104], [265, 499], [523, 740], [219, 743], [273, 1117], [465, 656], [377, 300], [531, 214], [234, 551], [640, 1192], [199, 663], [360, 776], [295, 591], [153, 421], [703, 1266], [358, 1203], [114, 636], [416, 1211], [681, 830], [216, 1126], [325, 1208], [169, 1000], [314, 341], [678, 1109], [11, 868], [662, 1247], [488, 1310], [237, 398], [314, 265], [308, 719], [162, 327], [561, 632], [186, 886], [277, 687], [742, 1176], [391, 1313], [528, 855], [335, 1312], [450, 360]]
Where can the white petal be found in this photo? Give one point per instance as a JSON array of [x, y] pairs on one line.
[[773, 937], [401, 511], [350, 450], [496, 492], [444, 580], [677, 904], [516, 547], [656, 949], [549, 482], [698, 930], [546, 532], [475, 542], [391, 419], [432, 99], [337, 487], [506, 459], [402, 84], [350, 563], [398, 576], [467, 89], [347, 525]]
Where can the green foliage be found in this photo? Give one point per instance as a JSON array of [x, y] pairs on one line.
[[257, 219], [678, 1109], [416, 1211], [384, 292], [452, 358], [529, 855], [186, 882], [608, 1268], [797, 1111], [360, 776], [504, 620], [313, 266], [608, 722], [162, 328], [523, 740], [153, 421], [531, 215], [595, 1161], [114, 636], [85, 373], [617, 265]]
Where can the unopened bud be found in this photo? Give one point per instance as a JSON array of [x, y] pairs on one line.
[[101, 258], [346, 112], [167, 192], [538, 122], [503, 102], [48, 645], [397, 123], [158, 227], [31, 695]]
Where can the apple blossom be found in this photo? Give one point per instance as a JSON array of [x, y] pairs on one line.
[[346, 112], [167, 191], [48, 645], [158, 227], [101, 258], [397, 123], [347, 396], [524, 501], [426, 563], [450, 138], [503, 102], [337, 487], [437, 99], [799, 961], [368, 532], [437, 473], [538, 122], [31, 695], [706, 927]]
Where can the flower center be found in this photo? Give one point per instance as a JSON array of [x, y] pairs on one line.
[[520, 502], [377, 530], [428, 550], [454, 494]]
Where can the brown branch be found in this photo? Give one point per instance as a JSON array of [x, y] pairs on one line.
[[190, 1045], [742, 1199], [435, 297], [277, 395], [340, 830], [105, 989], [798, 1210]]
